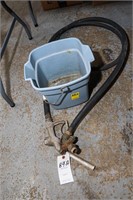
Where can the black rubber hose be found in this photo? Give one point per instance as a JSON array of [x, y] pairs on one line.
[[47, 111], [119, 63]]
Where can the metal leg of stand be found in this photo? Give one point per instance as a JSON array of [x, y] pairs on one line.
[[2, 90], [2, 50], [11, 12], [32, 14], [4, 95], [7, 38]]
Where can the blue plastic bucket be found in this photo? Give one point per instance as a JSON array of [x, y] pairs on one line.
[[60, 71]]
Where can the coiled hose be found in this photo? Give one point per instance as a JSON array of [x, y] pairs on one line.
[[119, 63]]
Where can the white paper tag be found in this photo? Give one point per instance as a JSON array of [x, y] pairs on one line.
[[64, 169]]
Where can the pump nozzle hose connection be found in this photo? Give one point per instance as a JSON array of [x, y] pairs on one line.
[[67, 139]]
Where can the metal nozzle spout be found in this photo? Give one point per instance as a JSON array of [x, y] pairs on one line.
[[82, 161]]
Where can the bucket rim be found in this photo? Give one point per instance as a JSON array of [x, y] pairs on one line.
[[52, 43]]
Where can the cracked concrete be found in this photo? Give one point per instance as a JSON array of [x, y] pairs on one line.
[[28, 167]]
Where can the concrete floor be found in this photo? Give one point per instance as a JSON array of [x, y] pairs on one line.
[[28, 167]]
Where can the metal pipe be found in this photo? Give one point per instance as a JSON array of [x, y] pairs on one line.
[[82, 161]]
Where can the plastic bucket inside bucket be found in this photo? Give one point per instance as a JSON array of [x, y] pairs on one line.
[[59, 69]]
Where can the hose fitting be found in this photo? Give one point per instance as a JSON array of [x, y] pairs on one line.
[[68, 143]]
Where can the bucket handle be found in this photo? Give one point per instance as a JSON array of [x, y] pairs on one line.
[[64, 92]]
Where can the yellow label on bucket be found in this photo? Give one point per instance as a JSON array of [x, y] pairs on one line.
[[75, 95]]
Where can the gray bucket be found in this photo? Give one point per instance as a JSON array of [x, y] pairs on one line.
[[60, 71]]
